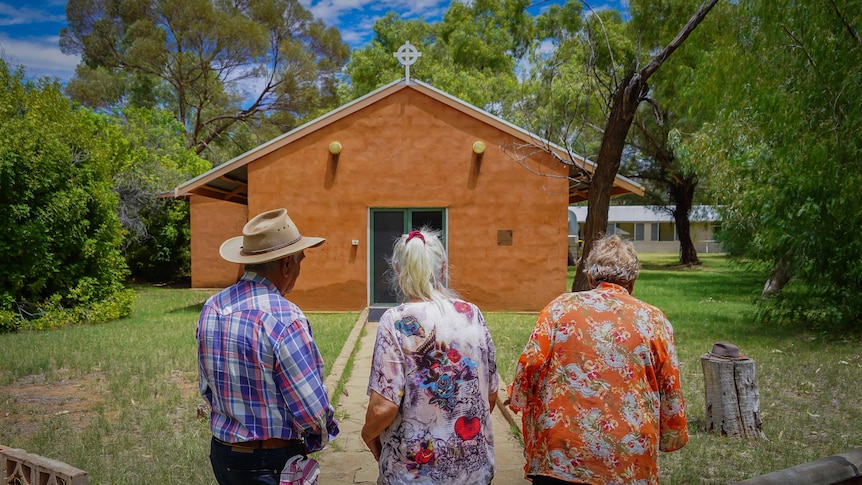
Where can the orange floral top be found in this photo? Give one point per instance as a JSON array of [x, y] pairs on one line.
[[598, 385]]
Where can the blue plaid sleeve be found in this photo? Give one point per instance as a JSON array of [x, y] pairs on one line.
[[299, 376]]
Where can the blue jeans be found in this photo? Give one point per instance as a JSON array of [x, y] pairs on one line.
[[237, 466]]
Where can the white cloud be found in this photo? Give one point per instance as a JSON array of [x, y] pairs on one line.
[[355, 18], [426, 9], [14, 15], [331, 11], [354, 38], [28, 37], [41, 56], [336, 12]]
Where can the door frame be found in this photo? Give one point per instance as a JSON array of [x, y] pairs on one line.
[[407, 213]]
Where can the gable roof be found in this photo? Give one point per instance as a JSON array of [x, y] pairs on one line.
[[229, 181], [648, 213]]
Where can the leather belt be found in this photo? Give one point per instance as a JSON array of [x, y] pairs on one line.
[[270, 444]]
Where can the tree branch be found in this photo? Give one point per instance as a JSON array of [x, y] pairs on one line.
[[677, 41], [656, 110], [607, 41], [846, 23], [800, 45]]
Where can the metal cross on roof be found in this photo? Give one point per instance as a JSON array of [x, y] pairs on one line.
[[407, 55]]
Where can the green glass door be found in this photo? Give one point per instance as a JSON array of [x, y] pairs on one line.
[[386, 226]]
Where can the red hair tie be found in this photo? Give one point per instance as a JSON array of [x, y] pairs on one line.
[[415, 234]]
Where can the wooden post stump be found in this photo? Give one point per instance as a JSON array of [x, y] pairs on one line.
[[732, 397]]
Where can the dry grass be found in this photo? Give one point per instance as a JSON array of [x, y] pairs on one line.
[[120, 400]]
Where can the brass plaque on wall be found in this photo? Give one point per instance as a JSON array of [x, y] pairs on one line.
[[504, 237]]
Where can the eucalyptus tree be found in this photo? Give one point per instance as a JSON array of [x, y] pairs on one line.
[[658, 158], [571, 69], [215, 64], [629, 91], [157, 236], [472, 53], [670, 185], [615, 75], [785, 152]]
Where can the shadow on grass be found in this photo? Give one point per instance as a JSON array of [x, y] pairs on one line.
[[720, 298], [191, 308], [736, 285]]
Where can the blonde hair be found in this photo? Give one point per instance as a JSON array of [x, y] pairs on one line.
[[613, 260], [421, 266]]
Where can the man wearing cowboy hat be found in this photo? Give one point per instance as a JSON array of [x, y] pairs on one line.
[[258, 365]]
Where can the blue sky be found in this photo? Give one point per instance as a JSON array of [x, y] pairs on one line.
[[29, 30]]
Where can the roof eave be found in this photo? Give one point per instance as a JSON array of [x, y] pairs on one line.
[[193, 185], [198, 185]]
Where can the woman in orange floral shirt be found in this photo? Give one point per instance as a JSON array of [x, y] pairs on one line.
[[598, 382]]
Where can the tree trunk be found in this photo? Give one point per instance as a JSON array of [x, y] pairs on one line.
[[626, 98], [683, 194], [625, 102], [732, 397], [687, 251], [778, 277]]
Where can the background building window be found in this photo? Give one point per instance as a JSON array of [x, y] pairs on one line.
[[626, 230], [666, 232]]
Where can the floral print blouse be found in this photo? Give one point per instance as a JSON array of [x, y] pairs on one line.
[[598, 385], [436, 360]]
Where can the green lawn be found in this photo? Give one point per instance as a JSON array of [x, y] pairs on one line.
[[120, 400], [808, 381]]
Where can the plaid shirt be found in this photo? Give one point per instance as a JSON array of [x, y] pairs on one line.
[[260, 369]]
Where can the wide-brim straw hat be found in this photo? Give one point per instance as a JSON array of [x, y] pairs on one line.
[[268, 236]]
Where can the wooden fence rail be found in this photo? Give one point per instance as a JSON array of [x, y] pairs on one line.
[[841, 469], [19, 467]]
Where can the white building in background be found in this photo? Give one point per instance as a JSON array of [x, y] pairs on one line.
[[651, 229]]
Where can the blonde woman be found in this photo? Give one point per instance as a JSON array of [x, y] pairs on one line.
[[433, 380]]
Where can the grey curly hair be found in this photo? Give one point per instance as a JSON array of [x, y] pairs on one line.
[[613, 260]]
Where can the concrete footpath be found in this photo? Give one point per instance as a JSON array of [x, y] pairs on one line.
[[347, 460]]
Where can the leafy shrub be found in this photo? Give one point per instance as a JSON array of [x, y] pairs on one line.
[[53, 316], [157, 243], [164, 253], [9, 322], [60, 244]]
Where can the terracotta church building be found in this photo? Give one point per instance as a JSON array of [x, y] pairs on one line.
[[403, 156]]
